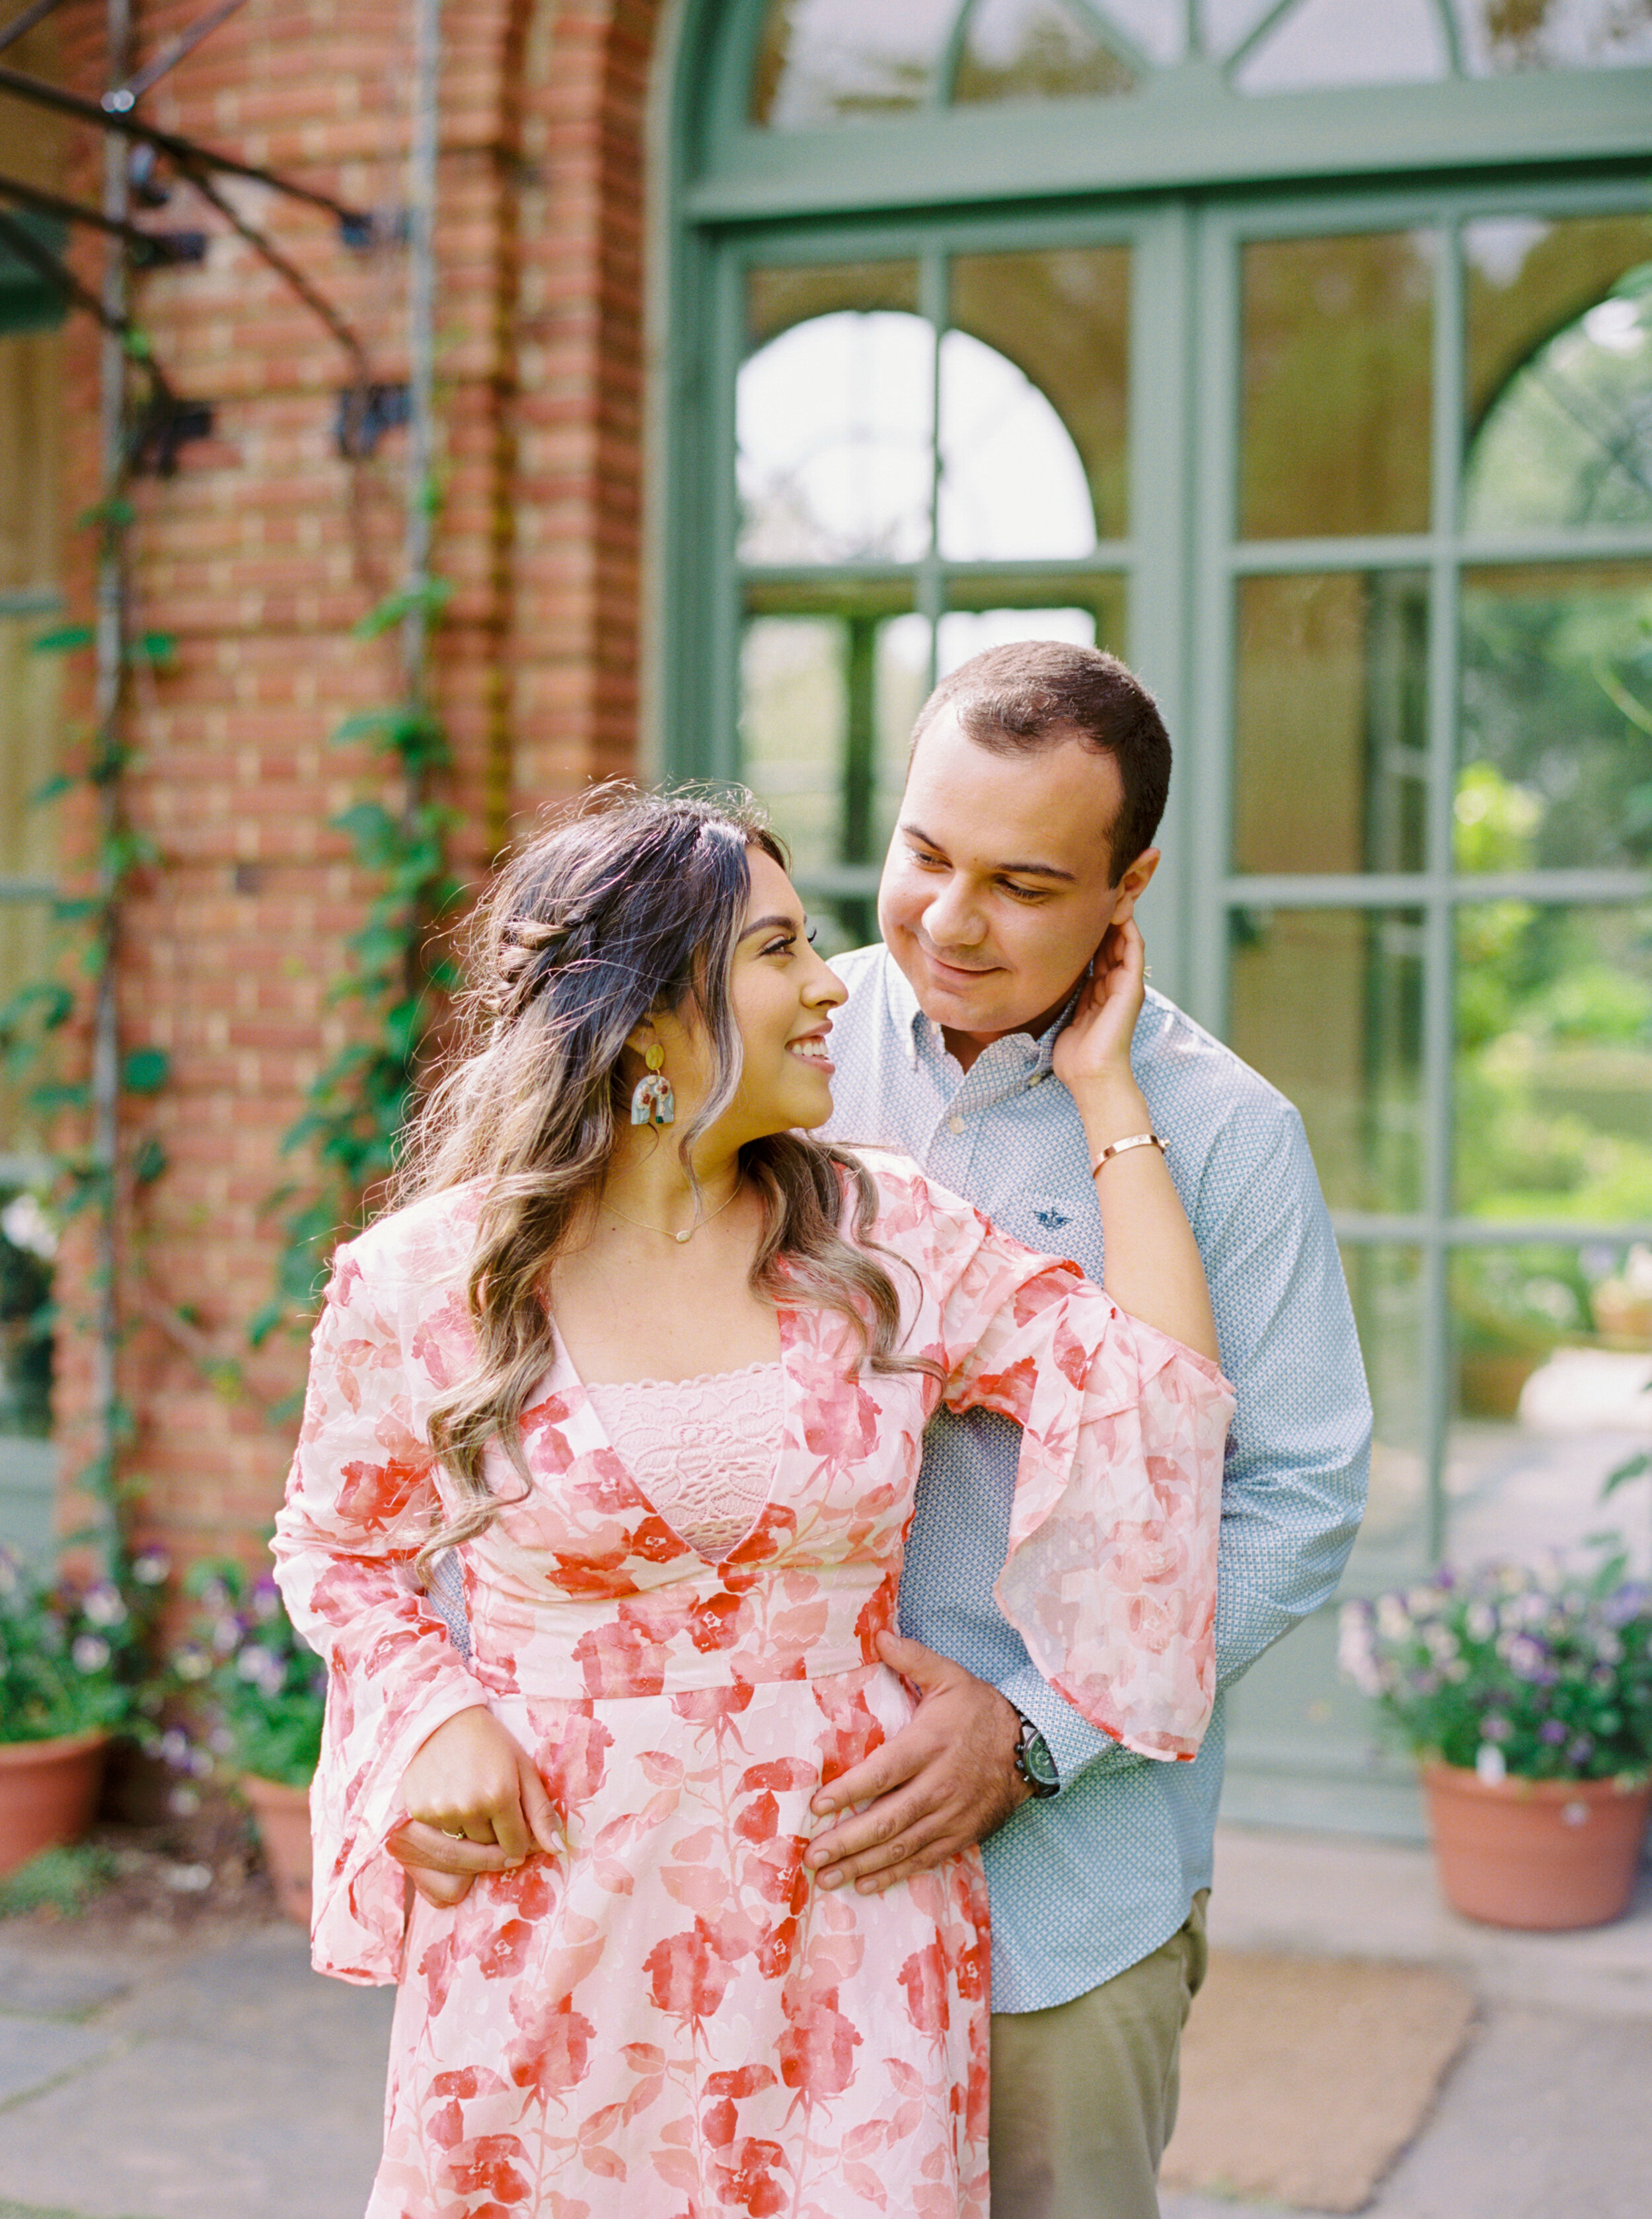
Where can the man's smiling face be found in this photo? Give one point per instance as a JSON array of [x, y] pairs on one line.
[[996, 891]]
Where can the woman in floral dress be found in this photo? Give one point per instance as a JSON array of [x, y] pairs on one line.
[[661, 1390]]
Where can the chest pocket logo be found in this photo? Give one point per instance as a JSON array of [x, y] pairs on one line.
[[1051, 1219]]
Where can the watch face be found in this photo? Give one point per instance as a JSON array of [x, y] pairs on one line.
[[1041, 1765]]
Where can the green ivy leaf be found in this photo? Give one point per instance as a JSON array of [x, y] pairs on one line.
[[152, 648], [54, 1097], [64, 640], [149, 1162], [145, 1071], [1621, 1473], [115, 511], [53, 790], [430, 594], [263, 1322]]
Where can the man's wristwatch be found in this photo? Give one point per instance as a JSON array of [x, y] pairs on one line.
[[1033, 1761]]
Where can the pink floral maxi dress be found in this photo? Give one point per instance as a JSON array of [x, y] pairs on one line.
[[668, 2019]]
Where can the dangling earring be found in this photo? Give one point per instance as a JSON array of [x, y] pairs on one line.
[[652, 1100]]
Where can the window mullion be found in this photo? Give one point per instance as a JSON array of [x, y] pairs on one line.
[[1439, 991]]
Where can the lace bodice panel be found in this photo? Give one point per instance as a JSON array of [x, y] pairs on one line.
[[703, 1450]]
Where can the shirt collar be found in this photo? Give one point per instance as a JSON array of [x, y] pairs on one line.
[[1035, 1057]]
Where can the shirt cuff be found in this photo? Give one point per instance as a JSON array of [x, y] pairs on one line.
[[1071, 1739]]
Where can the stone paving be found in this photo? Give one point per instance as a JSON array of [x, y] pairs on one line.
[[209, 2075]]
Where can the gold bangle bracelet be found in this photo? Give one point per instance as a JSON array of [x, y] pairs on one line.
[[1119, 1147]]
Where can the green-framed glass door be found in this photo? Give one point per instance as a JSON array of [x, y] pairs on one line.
[[1358, 482], [1420, 851]]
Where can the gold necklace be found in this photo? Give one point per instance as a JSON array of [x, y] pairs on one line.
[[664, 1231]]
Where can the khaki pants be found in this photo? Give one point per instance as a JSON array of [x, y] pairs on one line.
[[1084, 2096]]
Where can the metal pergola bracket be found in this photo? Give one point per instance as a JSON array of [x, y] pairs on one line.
[[365, 413]]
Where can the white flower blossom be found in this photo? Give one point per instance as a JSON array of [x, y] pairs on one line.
[[1489, 1764], [26, 1225], [101, 1604], [151, 1567], [1392, 1621], [90, 1652], [1356, 1648], [263, 1668]]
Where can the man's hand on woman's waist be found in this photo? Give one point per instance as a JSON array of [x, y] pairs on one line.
[[944, 1782]]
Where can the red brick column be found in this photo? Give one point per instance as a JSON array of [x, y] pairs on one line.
[[263, 552]]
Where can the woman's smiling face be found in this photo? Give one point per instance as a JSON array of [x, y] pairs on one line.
[[782, 995]]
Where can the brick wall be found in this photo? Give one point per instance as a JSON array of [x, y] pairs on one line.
[[264, 549]]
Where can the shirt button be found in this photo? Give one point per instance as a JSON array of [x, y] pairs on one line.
[[954, 1124], [1036, 1076]]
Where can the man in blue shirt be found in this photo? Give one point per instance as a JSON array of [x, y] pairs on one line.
[[1038, 776]]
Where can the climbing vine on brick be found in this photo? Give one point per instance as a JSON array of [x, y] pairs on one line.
[[398, 974]]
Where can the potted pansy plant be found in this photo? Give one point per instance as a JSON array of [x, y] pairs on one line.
[[265, 1693], [1525, 1694], [70, 1657]]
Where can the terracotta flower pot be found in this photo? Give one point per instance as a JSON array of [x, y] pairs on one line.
[[1545, 1854], [283, 1821], [48, 1792]]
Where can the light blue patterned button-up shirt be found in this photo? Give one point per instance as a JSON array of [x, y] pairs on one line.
[[1095, 1879]]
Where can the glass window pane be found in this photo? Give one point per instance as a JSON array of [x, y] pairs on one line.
[[1556, 728], [1327, 1004], [834, 421], [961, 634], [31, 949], [1332, 723], [1063, 320], [1338, 338], [827, 703], [1553, 1075], [1018, 50], [1040, 608], [832, 61], [1566, 35], [1158, 29], [1325, 42], [1551, 1395], [1559, 401], [1012, 486], [1385, 1285]]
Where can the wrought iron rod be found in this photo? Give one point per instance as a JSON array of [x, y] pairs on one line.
[[126, 96], [184, 151], [289, 272], [19, 25], [13, 189]]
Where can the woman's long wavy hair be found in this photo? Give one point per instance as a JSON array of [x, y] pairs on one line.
[[633, 905]]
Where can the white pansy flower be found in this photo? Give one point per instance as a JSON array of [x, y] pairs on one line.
[[102, 1605]]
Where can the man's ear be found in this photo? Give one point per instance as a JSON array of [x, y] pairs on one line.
[[1133, 885]]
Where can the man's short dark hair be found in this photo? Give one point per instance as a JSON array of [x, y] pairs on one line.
[[1034, 693]]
